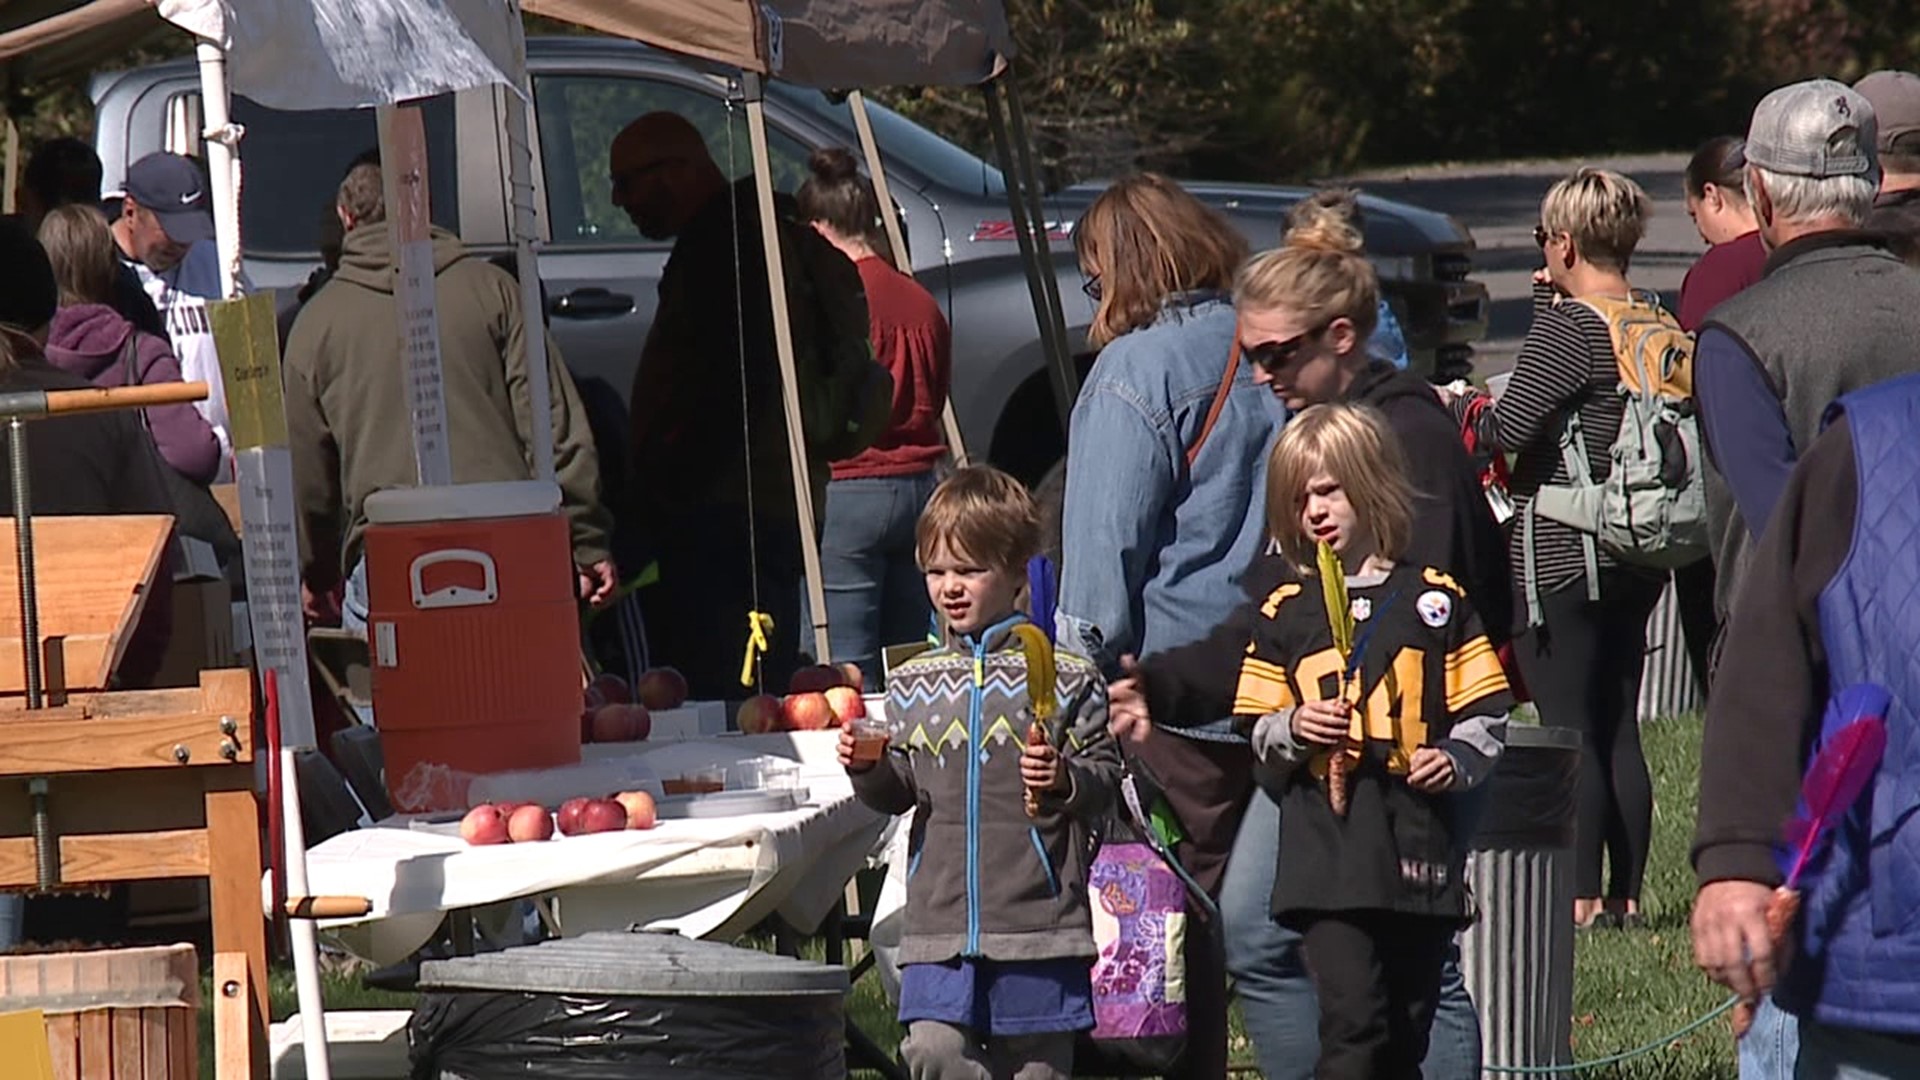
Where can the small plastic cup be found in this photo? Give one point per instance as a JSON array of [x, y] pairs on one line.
[[870, 735], [780, 776], [706, 779]]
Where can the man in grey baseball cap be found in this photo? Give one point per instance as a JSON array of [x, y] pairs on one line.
[[1835, 312], [1895, 96]]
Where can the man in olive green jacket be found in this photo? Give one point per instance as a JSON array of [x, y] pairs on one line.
[[347, 412]]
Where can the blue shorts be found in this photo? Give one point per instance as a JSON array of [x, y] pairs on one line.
[[988, 997]]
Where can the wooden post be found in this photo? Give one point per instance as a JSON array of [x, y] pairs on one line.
[[237, 1052]]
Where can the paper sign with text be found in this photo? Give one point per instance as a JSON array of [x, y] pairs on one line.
[[403, 155]]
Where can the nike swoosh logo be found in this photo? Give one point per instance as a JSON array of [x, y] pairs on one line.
[[189, 200]]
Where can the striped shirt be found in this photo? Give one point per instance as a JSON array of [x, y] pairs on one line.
[[1566, 363]]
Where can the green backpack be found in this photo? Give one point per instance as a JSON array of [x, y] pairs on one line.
[[1651, 510]]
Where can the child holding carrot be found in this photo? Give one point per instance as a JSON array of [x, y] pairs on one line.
[[1002, 747], [1369, 683]]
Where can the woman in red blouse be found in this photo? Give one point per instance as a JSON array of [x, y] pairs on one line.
[[875, 596]]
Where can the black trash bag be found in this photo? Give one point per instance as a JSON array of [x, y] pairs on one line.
[[495, 1036], [1530, 796]]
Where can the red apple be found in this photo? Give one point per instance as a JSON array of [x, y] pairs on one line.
[[484, 825], [661, 688], [610, 689], [759, 715], [847, 704], [641, 813], [813, 680], [621, 723], [602, 815], [530, 823], [851, 674], [508, 806], [569, 816], [807, 712]]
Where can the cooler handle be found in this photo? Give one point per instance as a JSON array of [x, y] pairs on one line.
[[454, 595]]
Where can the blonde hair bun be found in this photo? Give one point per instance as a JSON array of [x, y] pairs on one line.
[[1326, 221]]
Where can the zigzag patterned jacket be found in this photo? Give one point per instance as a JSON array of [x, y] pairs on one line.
[[984, 879]]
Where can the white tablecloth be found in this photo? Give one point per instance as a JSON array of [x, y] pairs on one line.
[[712, 877]]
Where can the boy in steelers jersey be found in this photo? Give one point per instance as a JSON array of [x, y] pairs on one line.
[[1416, 703]]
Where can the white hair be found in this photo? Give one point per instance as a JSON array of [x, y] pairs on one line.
[[1807, 198]]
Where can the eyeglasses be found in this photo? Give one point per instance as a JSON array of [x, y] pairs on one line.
[[1091, 287], [1541, 236], [1272, 356]]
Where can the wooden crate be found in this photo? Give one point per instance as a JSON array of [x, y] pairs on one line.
[[112, 1014]]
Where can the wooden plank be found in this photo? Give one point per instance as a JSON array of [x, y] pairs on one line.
[[237, 1046], [183, 1045], [91, 577], [63, 1041], [128, 1061], [121, 857], [239, 926], [49, 747], [154, 1063], [96, 1045]]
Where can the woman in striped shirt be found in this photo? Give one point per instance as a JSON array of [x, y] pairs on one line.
[[1582, 643]]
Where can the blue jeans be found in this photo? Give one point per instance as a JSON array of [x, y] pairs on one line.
[[876, 595], [1835, 1053], [1771, 1045], [1269, 970]]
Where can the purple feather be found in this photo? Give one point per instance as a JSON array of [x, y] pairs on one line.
[[1853, 737], [1043, 592]]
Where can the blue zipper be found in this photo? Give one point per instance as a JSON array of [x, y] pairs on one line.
[[974, 752], [1046, 863]]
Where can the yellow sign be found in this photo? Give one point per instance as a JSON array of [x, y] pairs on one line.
[[248, 337], [23, 1042]]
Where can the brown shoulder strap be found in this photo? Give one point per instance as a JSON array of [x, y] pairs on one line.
[[1219, 402]]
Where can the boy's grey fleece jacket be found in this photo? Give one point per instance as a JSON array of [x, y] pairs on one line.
[[985, 880]]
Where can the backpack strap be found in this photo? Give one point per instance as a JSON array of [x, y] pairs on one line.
[[1219, 402]]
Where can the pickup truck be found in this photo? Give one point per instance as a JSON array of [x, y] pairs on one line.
[[601, 275]]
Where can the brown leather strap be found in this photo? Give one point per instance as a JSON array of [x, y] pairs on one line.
[[1219, 402]]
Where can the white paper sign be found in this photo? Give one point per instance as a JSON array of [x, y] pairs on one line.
[[273, 584]]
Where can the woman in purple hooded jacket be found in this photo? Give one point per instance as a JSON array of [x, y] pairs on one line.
[[90, 339]]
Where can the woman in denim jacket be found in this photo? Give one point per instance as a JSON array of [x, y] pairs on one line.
[[1164, 508]]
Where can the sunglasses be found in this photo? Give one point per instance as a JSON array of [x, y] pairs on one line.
[[1272, 356], [1092, 288], [1541, 236]]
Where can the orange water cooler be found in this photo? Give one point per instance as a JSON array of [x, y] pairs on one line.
[[474, 636]]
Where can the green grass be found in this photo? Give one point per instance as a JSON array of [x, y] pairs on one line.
[[1630, 987]]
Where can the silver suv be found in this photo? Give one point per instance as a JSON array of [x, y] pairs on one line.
[[600, 274]]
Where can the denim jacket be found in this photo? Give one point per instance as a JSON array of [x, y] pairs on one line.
[[1153, 552]]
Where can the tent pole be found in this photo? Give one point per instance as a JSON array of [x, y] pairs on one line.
[[1059, 365], [223, 161], [863, 124], [7, 202], [789, 380], [1037, 219], [526, 257]]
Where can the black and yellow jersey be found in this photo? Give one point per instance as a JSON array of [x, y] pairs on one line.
[[1421, 665]]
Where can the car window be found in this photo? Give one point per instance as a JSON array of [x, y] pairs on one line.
[[901, 140], [579, 116], [292, 164]]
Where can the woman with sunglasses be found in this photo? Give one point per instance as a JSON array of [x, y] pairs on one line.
[[1306, 312], [1166, 459], [1582, 657]]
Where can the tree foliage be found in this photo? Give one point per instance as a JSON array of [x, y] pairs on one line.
[[1266, 89]]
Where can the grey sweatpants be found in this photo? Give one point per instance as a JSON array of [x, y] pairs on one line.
[[940, 1051]]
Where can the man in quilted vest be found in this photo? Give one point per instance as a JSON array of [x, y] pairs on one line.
[[1826, 605]]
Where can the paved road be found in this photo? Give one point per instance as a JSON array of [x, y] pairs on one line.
[[1500, 202]]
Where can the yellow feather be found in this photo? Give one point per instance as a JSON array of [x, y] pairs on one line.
[[1040, 674], [1333, 585]]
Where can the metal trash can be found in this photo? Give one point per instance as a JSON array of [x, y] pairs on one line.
[[1517, 958], [630, 1005], [1668, 685]]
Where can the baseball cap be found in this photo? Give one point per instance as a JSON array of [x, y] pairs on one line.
[[171, 186], [1819, 128], [1895, 97]]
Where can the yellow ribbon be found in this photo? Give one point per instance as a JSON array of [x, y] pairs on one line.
[[759, 625]]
